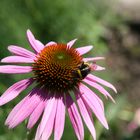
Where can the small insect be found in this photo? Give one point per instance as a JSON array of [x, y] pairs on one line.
[[83, 70]]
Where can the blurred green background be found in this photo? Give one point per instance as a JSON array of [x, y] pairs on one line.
[[111, 26]]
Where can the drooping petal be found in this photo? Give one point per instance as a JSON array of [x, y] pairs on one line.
[[50, 43], [59, 118], [93, 59], [33, 42], [37, 135], [71, 43], [99, 88], [94, 102], [34, 117], [47, 117], [13, 69], [75, 117], [36, 114], [17, 59], [21, 52], [86, 115], [15, 110], [13, 91], [27, 106], [49, 122], [84, 50], [101, 81]]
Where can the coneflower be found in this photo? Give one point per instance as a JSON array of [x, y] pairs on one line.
[[59, 73]]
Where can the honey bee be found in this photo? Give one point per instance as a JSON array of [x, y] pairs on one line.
[[82, 71]]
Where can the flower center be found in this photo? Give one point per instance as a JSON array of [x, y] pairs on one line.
[[55, 68]]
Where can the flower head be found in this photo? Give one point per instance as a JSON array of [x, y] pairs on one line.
[[54, 67], [59, 72]]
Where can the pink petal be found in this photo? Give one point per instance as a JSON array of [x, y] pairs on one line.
[[33, 42], [15, 110], [13, 91], [71, 43], [13, 69], [50, 121], [95, 67], [21, 52], [84, 50], [27, 106], [36, 114], [49, 110], [94, 103], [40, 44], [50, 43], [101, 81], [93, 59], [75, 117], [99, 68], [99, 88], [17, 59], [86, 115], [59, 119], [37, 135]]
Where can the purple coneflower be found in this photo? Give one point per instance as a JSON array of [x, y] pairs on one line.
[[60, 73]]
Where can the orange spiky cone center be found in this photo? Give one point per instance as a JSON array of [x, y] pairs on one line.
[[54, 68]]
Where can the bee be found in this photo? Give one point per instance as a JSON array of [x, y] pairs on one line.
[[82, 71]]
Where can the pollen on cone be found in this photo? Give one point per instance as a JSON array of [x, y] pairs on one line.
[[54, 67]]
